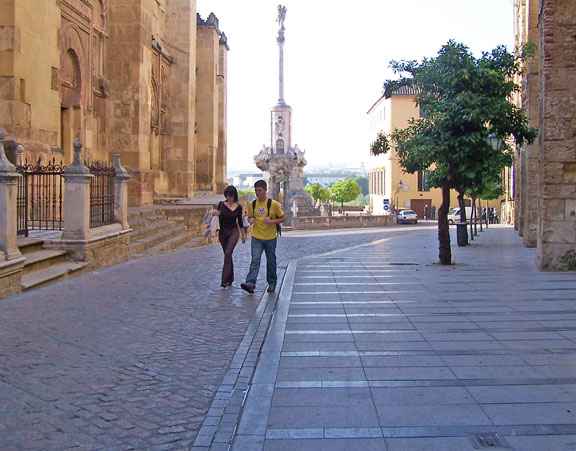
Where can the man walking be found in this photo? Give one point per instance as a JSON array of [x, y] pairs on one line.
[[265, 214]]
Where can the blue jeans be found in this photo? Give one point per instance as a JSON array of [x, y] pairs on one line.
[[257, 246]]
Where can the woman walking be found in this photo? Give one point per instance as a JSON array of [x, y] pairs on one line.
[[230, 214]]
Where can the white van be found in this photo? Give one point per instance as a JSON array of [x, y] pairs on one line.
[[454, 214]]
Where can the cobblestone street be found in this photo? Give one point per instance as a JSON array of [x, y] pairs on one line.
[[131, 356]]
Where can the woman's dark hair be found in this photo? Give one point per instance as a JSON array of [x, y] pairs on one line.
[[231, 191]]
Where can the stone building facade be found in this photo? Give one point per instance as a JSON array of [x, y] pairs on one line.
[[142, 78], [546, 172]]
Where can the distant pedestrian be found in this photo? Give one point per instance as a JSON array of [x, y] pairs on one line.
[[229, 212], [433, 210], [426, 211], [266, 214]]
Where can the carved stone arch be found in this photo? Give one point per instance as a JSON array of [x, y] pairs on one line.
[[73, 70], [70, 79], [99, 36], [154, 106], [163, 100], [102, 11]]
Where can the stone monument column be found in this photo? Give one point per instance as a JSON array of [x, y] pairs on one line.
[[282, 163], [8, 217], [121, 193], [77, 198]]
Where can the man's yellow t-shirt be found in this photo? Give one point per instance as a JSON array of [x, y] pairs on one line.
[[261, 229]]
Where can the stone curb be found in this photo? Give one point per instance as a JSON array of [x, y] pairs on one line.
[[221, 421]]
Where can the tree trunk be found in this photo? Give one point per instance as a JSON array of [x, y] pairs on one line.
[[480, 213], [445, 253], [473, 231], [462, 206], [475, 215]]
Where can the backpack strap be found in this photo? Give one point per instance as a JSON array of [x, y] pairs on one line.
[[268, 204], [278, 226]]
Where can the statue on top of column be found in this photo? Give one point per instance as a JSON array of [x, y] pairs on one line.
[[281, 17]]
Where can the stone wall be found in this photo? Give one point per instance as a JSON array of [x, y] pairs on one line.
[[557, 123], [341, 222], [29, 56], [526, 202], [180, 147], [210, 107], [10, 277], [191, 217], [121, 76]]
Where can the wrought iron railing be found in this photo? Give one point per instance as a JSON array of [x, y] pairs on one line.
[[40, 196], [101, 194]]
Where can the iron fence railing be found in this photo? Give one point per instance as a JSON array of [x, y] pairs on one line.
[[101, 194], [40, 197]]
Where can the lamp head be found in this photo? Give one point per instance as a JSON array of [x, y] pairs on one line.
[[494, 141]]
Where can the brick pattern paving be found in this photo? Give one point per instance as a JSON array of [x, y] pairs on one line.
[[132, 356]]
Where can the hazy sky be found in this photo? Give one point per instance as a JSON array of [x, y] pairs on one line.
[[336, 59]]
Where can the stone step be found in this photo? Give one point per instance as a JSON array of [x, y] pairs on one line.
[[182, 241], [153, 228], [148, 242], [42, 259], [28, 245], [197, 241], [144, 213], [139, 222], [52, 274]]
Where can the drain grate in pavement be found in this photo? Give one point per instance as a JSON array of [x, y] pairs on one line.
[[492, 441]]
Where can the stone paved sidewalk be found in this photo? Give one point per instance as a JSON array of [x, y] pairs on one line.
[[131, 357], [375, 348]]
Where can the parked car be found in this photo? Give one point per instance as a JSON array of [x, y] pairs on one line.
[[454, 215], [406, 216]]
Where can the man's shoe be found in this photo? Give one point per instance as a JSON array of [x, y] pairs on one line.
[[271, 288], [247, 287]]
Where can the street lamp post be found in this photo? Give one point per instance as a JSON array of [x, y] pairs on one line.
[[400, 185], [495, 143]]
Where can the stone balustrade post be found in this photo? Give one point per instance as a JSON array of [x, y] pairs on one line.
[[19, 155], [76, 198], [8, 197], [121, 193]]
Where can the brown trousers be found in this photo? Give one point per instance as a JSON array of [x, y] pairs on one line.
[[228, 239]]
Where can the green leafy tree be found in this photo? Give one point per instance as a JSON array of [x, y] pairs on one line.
[[362, 181], [317, 191], [346, 190], [490, 191], [465, 99]]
